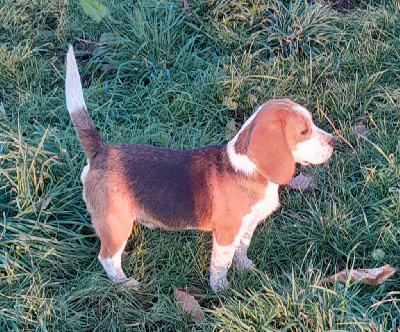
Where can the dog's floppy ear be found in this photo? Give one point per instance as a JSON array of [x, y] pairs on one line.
[[269, 151]]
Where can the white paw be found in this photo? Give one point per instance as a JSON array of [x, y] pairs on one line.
[[219, 284], [131, 283], [244, 264]]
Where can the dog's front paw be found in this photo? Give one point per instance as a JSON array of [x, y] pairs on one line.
[[218, 285], [244, 264], [131, 283]]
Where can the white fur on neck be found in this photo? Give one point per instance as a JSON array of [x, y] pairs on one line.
[[240, 162]]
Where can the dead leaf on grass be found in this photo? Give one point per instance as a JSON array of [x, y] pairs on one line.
[[189, 304], [301, 182], [360, 126], [372, 277]]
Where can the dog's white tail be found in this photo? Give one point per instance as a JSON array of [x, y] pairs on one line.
[[73, 86], [88, 136]]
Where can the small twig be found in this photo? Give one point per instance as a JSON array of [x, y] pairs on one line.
[[336, 131], [88, 41], [262, 22]]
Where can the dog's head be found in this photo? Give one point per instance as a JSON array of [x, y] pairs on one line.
[[278, 135]]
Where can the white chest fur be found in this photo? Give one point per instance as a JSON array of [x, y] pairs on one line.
[[264, 207]]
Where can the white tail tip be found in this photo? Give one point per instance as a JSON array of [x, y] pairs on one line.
[[73, 86]]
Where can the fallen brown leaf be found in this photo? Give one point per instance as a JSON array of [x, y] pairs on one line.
[[372, 277], [189, 304], [360, 126], [301, 182]]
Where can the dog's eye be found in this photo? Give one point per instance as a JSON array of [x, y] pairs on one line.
[[304, 132]]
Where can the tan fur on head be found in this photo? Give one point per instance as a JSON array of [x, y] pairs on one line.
[[270, 141]]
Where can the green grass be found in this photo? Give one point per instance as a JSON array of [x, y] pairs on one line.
[[156, 76]]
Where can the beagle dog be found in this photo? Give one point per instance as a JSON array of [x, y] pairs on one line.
[[227, 190]]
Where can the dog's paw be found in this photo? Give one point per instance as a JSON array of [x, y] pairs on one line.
[[244, 264], [131, 283], [218, 285]]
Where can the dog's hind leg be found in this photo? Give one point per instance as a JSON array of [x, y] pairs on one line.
[[113, 235]]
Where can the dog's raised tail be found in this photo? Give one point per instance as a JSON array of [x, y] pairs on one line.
[[88, 135]]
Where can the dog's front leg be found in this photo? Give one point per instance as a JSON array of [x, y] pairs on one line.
[[242, 262], [221, 260]]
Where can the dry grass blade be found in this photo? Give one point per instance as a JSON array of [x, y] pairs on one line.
[[378, 148], [87, 41]]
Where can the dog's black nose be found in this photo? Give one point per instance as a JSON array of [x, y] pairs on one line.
[[332, 141]]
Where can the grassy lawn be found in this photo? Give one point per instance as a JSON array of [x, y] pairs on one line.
[[154, 75]]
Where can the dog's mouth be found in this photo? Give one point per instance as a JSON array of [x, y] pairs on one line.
[[314, 162], [303, 162]]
